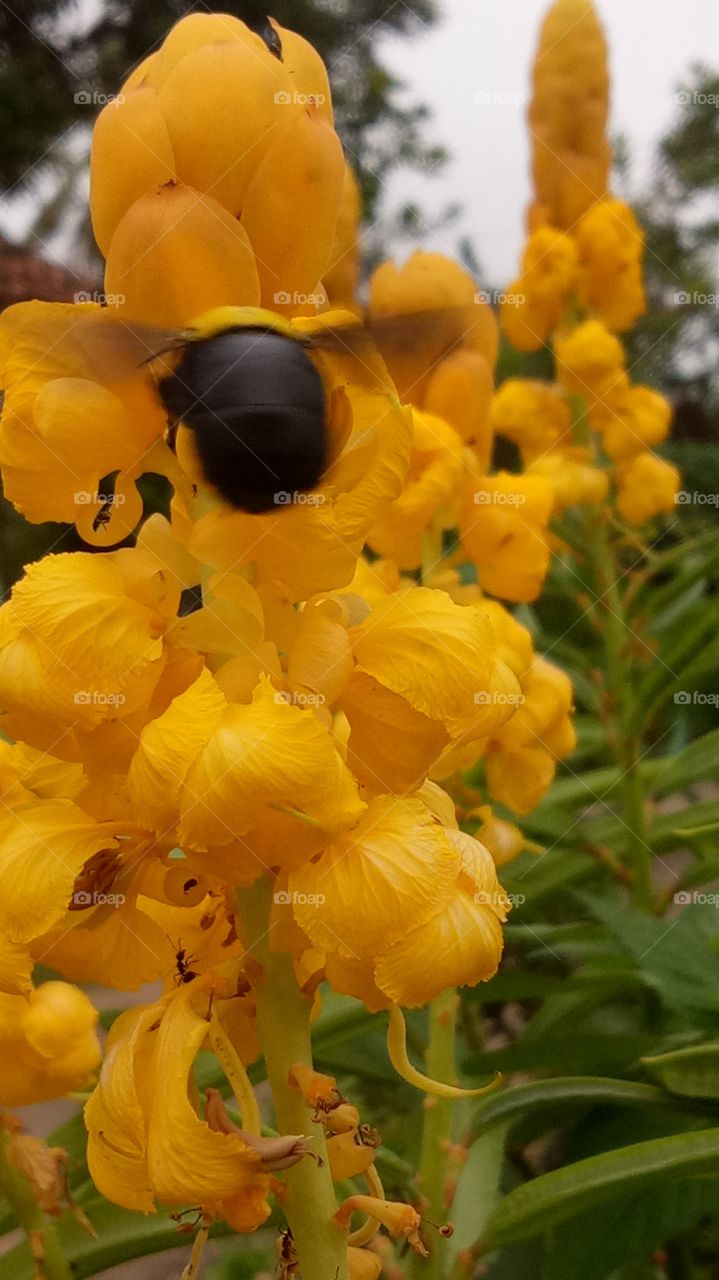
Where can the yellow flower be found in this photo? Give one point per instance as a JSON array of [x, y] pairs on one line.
[[573, 477], [531, 414], [503, 528], [426, 501], [534, 303], [146, 1140], [633, 420], [66, 423], [590, 360], [82, 643], [430, 282], [522, 754], [403, 906], [571, 156], [201, 165], [610, 243], [646, 487], [460, 391], [48, 1043]]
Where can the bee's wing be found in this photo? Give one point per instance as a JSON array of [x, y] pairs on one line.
[[117, 349], [436, 331]]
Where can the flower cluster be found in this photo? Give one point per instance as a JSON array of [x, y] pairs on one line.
[[239, 700], [580, 285]]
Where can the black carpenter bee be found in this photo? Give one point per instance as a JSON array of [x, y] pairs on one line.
[[247, 389]]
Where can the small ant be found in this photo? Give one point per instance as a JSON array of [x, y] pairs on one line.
[[103, 515], [183, 963]]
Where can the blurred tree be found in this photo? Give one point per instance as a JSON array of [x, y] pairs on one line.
[[54, 58], [676, 344]]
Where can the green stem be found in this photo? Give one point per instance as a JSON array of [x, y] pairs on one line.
[[283, 1023], [16, 1187], [437, 1132], [620, 679]]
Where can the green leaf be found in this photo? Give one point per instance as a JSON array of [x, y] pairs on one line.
[[539, 1206], [691, 1073], [563, 1091], [697, 761]]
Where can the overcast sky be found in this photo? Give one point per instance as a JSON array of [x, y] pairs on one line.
[[473, 68]]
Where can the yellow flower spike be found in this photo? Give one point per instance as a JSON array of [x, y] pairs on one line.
[[263, 758], [290, 209], [177, 253], [646, 487], [391, 872], [48, 1043], [131, 142], [571, 156], [401, 1220], [397, 1050], [224, 103]]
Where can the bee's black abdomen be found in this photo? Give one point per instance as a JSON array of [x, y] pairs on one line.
[[256, 404]]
